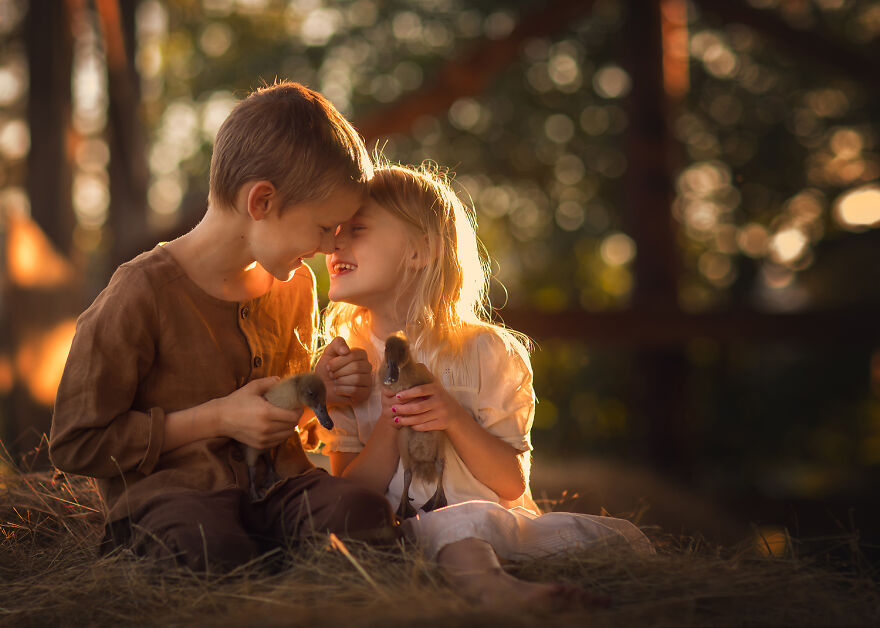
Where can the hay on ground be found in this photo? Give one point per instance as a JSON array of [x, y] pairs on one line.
[[50, 574]]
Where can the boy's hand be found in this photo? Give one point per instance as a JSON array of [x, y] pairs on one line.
[[346, 373], [248, 418], [428, 407]]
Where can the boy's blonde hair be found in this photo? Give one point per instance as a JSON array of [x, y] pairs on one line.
[[292, 136], [451, 291]]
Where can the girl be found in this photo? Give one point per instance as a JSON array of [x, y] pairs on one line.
[[409, 261]]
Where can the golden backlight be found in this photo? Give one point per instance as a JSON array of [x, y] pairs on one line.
[[31, 259], [40, 360]]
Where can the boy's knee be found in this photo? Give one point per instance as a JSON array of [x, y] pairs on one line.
[[197, 530], [204, 549]]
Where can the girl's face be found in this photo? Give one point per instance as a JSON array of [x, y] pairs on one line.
[[372, 250]]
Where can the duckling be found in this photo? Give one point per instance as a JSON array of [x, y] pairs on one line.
[[293, 393], [422, 453]]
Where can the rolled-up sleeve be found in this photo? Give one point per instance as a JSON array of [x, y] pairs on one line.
[[505, 403], [95, 429]]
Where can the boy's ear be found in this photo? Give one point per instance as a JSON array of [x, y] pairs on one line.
[[261, 198]]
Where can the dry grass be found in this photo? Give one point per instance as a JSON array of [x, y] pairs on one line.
[[50, 575]]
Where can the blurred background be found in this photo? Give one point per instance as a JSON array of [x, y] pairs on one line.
[[681, 198]]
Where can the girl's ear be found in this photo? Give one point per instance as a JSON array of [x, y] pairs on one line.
[[421, 254], [261, 199]]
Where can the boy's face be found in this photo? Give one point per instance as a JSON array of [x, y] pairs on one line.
[[365, 268], [280, 243]]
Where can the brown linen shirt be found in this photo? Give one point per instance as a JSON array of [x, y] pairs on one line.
[[153, 342]]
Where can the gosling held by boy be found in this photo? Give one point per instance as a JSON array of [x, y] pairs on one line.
[[292, 393]]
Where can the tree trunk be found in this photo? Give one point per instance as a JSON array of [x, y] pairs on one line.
[[49, 46], [658, 394], [128, 168]]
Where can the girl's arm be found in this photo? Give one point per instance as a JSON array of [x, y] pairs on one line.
[[375, 464], [492, 461]]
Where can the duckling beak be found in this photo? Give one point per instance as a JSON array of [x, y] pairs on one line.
[[324, 419], [392, 373]]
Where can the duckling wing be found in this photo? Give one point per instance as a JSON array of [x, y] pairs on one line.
[[415, 374]]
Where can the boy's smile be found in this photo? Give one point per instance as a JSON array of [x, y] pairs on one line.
[[303, 230]]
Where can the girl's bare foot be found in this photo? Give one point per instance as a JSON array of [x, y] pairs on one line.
[[472, 568]]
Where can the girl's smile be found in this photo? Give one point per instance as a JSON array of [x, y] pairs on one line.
[[341, 268], [366, 265]]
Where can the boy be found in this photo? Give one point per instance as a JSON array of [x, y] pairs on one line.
[[169, 364]]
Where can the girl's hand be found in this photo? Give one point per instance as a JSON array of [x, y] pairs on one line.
[[248, 418], [386, 416], [347, 373], [428, 407]]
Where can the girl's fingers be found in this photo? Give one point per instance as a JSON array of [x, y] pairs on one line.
[[346, 391], [354, 379], [357, 357], [413, 407], [341, 367], [428, 426], [425, 390], [413, 420]]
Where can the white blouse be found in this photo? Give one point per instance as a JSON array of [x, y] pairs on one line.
[[495, 387]]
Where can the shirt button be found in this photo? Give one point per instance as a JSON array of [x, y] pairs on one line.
[[258, 361], [245, 310]]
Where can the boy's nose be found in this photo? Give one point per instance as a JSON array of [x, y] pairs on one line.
[[338, 241], [327, 246]]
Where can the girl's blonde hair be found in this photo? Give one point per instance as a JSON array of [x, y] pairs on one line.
[[450, 303]]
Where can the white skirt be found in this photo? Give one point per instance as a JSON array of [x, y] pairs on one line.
[[519, 533]]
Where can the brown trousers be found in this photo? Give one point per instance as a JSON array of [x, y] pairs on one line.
[[220, 530]]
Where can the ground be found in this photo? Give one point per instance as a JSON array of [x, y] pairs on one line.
[[50, 575]]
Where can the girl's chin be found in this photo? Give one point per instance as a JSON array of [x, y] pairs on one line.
[[341, 296]]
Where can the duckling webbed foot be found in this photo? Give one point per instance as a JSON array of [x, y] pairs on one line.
[[405, 509], [438, 499]]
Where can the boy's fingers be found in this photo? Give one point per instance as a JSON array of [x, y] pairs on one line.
[[263, 384], [282, 415]]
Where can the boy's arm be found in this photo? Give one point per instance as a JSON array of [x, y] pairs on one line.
[[94, 429], [243, 415]]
